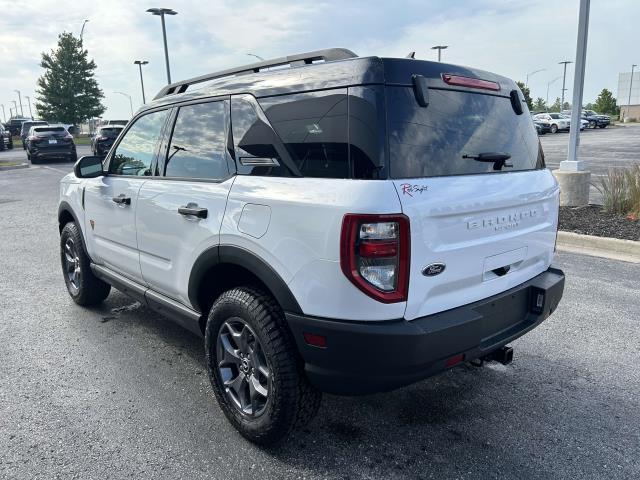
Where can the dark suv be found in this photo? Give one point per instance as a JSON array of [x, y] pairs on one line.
[[26, 126], [50, 141], [104, 138], [6, 141]]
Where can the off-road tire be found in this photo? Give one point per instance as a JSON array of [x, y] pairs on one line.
[[90, 289], [292, 400]]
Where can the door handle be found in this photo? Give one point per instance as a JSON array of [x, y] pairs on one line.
[[122, 199], [193, 209]]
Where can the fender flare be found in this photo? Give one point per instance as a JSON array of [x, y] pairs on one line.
[[230, 254], [64, 207]]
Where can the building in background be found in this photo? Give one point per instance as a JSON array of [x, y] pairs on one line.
[[629, 109]]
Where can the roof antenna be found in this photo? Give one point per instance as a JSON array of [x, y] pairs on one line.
[[411, 55]]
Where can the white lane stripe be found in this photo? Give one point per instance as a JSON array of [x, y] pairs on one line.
[[56, 169]]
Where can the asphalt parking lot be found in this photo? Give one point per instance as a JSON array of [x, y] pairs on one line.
[[116, 392]]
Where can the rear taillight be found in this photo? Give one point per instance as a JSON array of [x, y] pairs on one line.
[[374, 255], [469, 82]]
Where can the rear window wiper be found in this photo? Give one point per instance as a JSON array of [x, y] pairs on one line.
[[498, 159]]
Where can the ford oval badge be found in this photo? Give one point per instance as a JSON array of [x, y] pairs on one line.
[[433, 269]]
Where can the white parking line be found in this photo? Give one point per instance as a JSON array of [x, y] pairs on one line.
[[56, 169]]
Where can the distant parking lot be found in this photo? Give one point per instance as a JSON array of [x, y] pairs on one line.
[[616, 147]]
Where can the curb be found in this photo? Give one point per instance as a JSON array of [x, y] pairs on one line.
[[13, 167], [613, 248]]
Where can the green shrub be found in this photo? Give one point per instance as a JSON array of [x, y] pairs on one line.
[[615, 194], [620, 189], [633, 187]]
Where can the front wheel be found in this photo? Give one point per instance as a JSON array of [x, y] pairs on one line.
[[254, 368], [602, 126], [83, 286], [554, 128]]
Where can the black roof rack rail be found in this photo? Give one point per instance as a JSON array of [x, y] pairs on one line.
[[292, 60]]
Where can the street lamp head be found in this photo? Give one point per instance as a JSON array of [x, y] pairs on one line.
[[565, 62], [140, 62], [439, 47], [162, 11]]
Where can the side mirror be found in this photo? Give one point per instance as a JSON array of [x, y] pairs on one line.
[[88, 167]]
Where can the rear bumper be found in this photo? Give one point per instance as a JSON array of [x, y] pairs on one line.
[[369, 357], [56, 151]]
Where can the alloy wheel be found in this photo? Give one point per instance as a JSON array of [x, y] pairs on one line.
[[72, 264], [243, 367]]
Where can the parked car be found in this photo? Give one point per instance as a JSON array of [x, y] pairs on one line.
[[15, 124], [50, 141], [325, 227], [6, 141], [26, 128], [592, 118], [104, 138], [542, 126], [557, 121]]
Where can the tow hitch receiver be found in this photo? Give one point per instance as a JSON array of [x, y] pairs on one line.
[[504, 355]]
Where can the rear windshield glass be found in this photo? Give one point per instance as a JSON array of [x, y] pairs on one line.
[[458, 133], [110, 132], [49, 129]]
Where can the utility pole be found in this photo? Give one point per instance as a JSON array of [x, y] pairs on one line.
[[630, 84], [130, 101], [29, 101], [548, 85], [4, 115], [530, 74], [82, 29], [162, 12], [439, 48], [573, 176], [20, 100], [140, 63], [564, 78]]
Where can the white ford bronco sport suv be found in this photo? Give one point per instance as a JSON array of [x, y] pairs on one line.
[[348, 225]]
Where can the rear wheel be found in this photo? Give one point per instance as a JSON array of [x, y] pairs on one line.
[[73, 157], [254, 367], [554, 128], [83, 286], [602, 126]]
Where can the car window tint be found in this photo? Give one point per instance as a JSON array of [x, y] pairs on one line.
[[197, 148], [134, 154], [258, 150], [313, 127]]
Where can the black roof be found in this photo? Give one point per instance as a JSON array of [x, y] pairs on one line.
[[267, 78]]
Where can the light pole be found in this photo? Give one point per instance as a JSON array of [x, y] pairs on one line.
[[564, 78], [20, 100], [439, 48], [15, 105], [4, 115], [548, 85], [130, 101], [82, 29], [257, 56], [630, 84], [140, 63], [530, 74], [29, 101], [162, 12]]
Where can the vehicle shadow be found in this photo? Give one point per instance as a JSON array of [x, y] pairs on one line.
[[531, 419]]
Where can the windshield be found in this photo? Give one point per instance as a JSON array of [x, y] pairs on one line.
[[49, 130], [458, 133], [110, 132]]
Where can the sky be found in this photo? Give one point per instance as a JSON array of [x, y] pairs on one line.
[[509, 37]]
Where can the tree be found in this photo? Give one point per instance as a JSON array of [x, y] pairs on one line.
[[67, 91], [526, 93], [566, 106], [555, 106], [539, 105], [605, 103]]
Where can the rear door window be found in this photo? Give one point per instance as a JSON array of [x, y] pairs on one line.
[[434, 140], [313, 127], [198, 144]]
